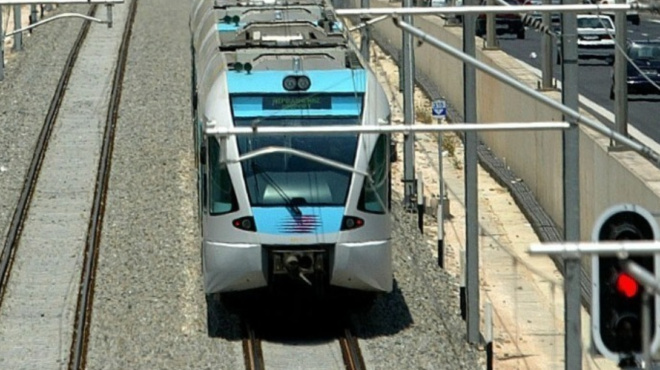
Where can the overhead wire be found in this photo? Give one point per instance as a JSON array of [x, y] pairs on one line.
[[623, 50], [537, 24]]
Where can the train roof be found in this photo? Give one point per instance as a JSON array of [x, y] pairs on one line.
[[270, 41], [271, 35], [221, 4]]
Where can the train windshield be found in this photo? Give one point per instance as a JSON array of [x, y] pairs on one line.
[[281, 179]]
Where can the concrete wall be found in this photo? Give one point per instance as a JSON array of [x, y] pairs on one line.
[[606, 178]]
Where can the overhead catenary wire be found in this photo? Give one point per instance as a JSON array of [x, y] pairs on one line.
[[622, 49], [497, 9]]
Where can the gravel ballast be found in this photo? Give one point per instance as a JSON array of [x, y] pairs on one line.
[[149, 307], [31, 77]]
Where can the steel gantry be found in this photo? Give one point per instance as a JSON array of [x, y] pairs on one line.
[[568, 107], [18, 31]]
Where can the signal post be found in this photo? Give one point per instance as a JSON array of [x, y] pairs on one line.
[[625, 318]]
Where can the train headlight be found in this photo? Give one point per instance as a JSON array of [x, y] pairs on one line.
[[244, 223], [351, 223], [229, 19], [290, 83], [304, 83], [296, 83]]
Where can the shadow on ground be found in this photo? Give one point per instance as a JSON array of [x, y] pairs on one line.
[[298, 317]]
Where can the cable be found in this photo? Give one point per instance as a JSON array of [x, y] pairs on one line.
[[622, 50]]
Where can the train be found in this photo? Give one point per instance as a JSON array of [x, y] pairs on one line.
[[290, 209]]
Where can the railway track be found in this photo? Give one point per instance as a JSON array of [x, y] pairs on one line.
[[350, 350], [20, 214], [322, 356], [23, 212]]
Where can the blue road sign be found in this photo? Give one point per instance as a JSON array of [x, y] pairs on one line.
[[439, 109]]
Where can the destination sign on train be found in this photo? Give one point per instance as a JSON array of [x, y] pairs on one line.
[[288, 101]]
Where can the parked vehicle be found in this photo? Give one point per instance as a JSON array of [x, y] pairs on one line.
[[646, 58], [595, 38], [509, 23]]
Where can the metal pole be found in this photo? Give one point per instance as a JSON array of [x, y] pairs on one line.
[[2, 47], [365, 37], [620, 75], [420, 203], [471, 196], [646, 327], [571, 186], [462, 299], [491, 33], [488, 336], [33, 14], [408, 112], [400, 53], [546, 52], [441, 205], [18, 37]]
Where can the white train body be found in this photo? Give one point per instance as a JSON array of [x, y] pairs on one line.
[[288, 206]]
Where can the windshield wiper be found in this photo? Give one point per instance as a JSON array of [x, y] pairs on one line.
[[291, 204]]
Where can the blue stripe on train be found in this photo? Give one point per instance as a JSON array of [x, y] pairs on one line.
[[229, 27], [270, 82], [313, 220]]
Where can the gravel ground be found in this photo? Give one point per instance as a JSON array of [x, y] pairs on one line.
[[149, 308], [418, 326], [30, 80]]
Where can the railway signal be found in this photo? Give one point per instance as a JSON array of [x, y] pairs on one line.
[[617, 298]]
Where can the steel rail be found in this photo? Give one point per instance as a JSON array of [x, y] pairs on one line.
[[497, 9], [23, 205], [86, 294], [252, 353], [350, 351]]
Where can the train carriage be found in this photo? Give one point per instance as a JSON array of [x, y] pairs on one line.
[[312, 209]]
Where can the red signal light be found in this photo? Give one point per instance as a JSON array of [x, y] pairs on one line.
[[626, 285]]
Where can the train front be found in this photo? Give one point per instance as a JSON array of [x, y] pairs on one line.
[[307, 209]]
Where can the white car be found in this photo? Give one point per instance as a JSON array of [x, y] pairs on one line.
[[595, 38]]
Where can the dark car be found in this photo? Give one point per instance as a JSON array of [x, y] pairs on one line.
[[509, 23], [646, 58]]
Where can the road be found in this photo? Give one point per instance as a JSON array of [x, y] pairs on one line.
[[595, 76]]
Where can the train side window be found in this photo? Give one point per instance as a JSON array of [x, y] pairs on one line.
[[203, 175], [222, 197], [374, 196]]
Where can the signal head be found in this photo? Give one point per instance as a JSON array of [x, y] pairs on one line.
[[616, 307]]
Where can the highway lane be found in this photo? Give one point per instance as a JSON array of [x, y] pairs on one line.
[[595, 76]]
